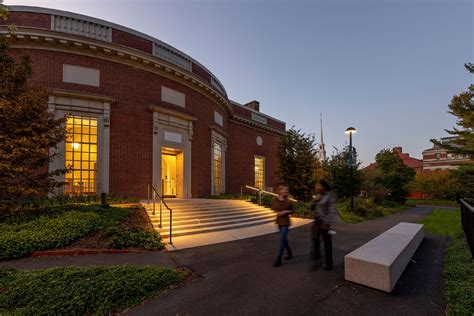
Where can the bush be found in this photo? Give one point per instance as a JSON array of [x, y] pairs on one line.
[[123, 237], [82, 291], [44, 233], [362, 207], [53, 227]]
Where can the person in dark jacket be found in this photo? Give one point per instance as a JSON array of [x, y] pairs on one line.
[[324, 207], [284, 208]]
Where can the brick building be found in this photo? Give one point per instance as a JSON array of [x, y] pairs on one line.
[[139, 111], [415, 164], [437, 158]]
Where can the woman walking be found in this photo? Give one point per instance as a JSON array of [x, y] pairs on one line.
[[325, 210], [283, 207]]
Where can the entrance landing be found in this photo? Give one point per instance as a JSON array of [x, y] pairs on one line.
[[200, 222]]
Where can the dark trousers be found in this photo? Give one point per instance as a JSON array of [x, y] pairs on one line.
[[319, 232], [283, 241]]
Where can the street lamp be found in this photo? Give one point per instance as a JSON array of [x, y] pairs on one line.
[[350, 131]]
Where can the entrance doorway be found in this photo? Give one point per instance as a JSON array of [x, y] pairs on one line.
[[172, 172]]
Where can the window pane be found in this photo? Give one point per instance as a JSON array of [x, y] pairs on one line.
[[79, 145], [259, 172]]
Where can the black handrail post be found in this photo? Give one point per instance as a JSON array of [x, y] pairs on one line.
[[153, 202], [161, 211], [171, 226], [148, 193]]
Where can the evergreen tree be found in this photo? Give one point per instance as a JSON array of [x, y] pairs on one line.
[[462, 106], [340, 173], [297, 154], [394, 175], [27, 132]]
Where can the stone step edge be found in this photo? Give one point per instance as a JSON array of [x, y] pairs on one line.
[[202, 219], [215, 223], [165, 234]]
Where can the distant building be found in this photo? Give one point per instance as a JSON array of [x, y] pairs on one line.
[[437, 158], [415, 164]]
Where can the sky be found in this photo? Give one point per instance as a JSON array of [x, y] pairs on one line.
[[387, 67]]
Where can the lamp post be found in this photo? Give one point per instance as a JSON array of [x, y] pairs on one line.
[[350, 131]]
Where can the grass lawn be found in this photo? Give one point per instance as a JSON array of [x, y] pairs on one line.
[[59, 226], [415, 202], [458, 265], [82, 291]]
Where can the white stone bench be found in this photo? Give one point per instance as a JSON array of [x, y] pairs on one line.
[[380, 262]]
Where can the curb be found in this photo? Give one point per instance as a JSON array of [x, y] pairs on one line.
[[81, 252]]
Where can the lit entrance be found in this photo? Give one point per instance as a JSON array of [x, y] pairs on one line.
[[172, 172]]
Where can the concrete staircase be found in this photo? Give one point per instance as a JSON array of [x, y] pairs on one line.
[[197, 216]]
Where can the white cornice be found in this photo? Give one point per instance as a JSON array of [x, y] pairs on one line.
[[33, 9], [247, 122], [48, 40]]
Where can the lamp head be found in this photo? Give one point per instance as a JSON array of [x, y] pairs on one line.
[[351, 130]]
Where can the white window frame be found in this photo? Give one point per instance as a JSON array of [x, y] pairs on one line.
[[62, 106]]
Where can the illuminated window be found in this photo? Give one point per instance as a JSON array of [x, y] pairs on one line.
[[217, 159], [259, 172], [81, 154]]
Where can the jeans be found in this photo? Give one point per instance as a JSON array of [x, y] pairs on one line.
[[319, 232], [283, 241]]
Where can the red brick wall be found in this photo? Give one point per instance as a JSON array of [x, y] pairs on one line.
[[131, 121], [241, 149], [130, 40], [131, 125], [39, 20], [201, 72]]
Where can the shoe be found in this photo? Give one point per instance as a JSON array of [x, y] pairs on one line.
[[326, 268], [289, 256], [277, 263]]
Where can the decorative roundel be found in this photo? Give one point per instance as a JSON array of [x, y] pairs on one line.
[[259, 141]]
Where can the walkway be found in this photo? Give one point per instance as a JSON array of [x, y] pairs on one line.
[[238, 278]]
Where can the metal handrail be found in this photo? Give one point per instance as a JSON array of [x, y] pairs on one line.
[[162, 201], [467, 221], [260, 193]]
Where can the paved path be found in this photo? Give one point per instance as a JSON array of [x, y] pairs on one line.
[[238, 278]]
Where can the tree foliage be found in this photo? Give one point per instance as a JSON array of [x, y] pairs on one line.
[[340, 173], [394, 175], [297, 158], [440, 184], [27, 132], [462, 106]]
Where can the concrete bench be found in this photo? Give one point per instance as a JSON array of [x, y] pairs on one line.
[[380, 262]]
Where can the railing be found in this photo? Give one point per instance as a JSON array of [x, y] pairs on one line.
[[467, 221], [260, 193], [155, 193]]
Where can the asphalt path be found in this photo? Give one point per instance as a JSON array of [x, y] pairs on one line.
[[238, 278]]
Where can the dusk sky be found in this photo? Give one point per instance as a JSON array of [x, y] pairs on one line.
[[388, 68]]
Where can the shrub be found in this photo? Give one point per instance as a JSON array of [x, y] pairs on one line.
[[123, 237], [44, 233], [82, 291]]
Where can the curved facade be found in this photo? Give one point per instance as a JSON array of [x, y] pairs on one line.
[[141, 112]]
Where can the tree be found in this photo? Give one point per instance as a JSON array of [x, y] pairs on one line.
[[393, 175], [462, 106], [340, 173], [297, 157], [27, 132], [440, 184], [372, 187]]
